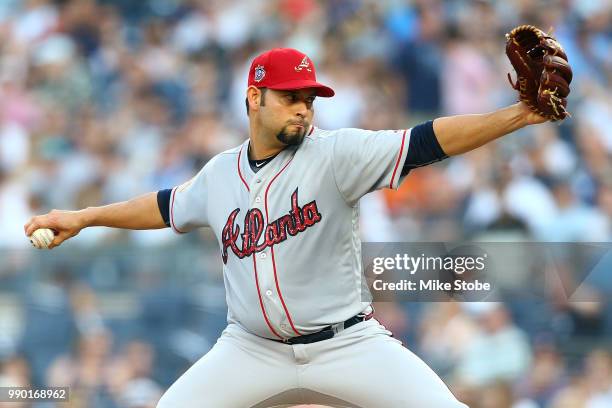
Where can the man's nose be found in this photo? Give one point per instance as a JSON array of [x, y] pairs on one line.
[[301, 109]]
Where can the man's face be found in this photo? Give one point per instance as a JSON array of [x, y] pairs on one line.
[[288, 114]]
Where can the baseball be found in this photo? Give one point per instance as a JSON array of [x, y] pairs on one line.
[[41, 238]]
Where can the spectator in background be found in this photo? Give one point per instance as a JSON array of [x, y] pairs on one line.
[[482, 362], [593, 389], [84, 371], [419, 55], [545, 378], [50, 323], [468, 77], [129, 377], [496, 395], [14, 372], [14, 203], [446, 334], [573, 220]]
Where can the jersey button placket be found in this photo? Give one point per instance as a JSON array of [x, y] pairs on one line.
[[264, 265]]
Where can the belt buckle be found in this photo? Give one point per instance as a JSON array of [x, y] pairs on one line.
[[337, 328]]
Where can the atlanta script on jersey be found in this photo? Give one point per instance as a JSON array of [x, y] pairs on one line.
[[296, 220]]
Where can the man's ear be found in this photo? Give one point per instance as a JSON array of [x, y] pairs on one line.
[[254, 96]]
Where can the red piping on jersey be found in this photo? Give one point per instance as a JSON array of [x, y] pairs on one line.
[[311, 130], [172, 214], [399, 158], [261, 302], [272, 251], [240, 173]]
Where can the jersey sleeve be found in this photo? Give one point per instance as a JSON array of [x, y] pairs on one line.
[[365, 160], [189, 204]]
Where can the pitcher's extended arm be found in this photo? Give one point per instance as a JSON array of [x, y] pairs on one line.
[[139, 213]]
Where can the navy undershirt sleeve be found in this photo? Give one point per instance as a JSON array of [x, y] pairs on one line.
[[423, 148], [163, 202]]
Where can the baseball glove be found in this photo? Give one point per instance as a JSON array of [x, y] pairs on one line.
[[543, 72]]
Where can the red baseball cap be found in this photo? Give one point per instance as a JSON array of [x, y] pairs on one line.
[[286, 69]]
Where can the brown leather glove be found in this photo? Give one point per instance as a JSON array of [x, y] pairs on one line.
[[543, 72]]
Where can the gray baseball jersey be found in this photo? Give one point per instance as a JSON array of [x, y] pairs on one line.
[[288, 234]]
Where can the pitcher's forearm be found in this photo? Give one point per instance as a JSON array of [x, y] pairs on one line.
[[462, 133], [139, 213]]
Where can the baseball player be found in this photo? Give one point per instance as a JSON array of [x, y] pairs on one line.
[[284, 206]]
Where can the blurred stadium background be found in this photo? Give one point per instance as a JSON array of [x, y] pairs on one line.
[[103, 100]]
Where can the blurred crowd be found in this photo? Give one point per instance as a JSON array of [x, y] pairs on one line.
[[67, 341], [103, 100]]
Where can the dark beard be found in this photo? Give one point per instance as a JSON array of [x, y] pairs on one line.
[[291, 138]]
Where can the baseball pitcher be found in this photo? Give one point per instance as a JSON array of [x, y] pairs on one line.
[[284, 208]]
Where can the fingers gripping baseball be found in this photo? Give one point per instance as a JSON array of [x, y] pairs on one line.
[[65, 225]]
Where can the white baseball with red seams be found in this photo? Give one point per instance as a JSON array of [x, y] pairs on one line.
[[289, 242], [42, 238]]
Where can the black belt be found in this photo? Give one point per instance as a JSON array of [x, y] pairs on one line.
[[328, 332]]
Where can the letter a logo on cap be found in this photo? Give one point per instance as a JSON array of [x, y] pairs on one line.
[[304, 64], [260, 73]]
